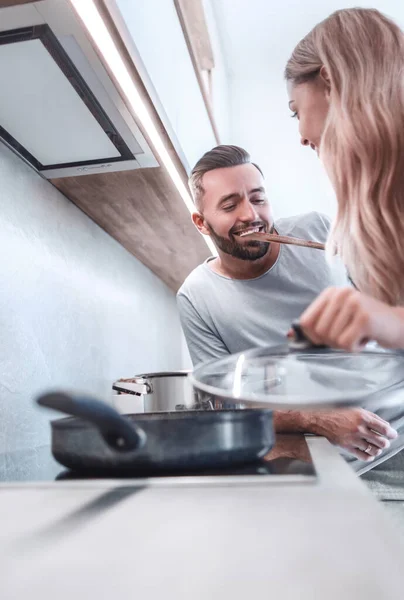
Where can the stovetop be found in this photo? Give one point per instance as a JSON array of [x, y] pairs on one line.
[[288, 461]]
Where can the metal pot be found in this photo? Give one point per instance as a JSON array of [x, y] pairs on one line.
[[166, 392], [163, 392]]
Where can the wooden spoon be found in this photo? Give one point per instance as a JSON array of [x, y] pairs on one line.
[[284, 239]]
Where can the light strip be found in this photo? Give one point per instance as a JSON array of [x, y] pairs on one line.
[[96, 27]]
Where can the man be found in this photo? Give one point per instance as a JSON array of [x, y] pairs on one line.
[[251, 292]]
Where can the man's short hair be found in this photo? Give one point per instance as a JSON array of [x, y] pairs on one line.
[[218, 158]]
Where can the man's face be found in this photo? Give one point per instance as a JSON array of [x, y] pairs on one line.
[[235, 202]]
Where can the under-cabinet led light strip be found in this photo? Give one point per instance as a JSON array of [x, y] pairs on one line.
[[93, 21]]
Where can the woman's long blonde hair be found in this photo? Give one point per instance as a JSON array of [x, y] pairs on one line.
[[362, 145]]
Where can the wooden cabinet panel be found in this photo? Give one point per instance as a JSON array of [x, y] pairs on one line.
[[142, 210], [5, 3]]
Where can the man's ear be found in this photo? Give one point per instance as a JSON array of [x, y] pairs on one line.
[[200, 223], [325, 77]]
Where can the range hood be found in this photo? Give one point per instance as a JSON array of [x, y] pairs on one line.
[[59, 109]]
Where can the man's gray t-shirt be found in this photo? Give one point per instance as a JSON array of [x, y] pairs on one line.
[[220, 315]]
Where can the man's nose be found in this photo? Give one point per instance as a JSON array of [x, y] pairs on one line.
[[247, 212]]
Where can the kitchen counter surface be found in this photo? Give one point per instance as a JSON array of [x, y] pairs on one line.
[[101, 539]]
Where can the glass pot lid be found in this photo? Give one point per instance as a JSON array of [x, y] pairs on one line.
[[283, 377]]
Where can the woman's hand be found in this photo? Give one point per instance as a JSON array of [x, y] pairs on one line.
[[347, 319]]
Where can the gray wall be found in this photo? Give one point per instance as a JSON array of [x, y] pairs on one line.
[[76, 309]]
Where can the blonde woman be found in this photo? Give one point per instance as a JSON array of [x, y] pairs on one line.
[[346, 87]]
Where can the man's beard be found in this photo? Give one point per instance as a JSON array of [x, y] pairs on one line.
[[252, 250]]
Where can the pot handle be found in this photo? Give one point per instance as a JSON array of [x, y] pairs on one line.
[[139, 387], [119, 433]]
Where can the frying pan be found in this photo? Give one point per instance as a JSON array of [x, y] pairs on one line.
[[97, 437]]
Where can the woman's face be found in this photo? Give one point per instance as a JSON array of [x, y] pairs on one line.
[[309, 102]]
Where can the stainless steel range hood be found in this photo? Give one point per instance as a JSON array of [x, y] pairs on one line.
[[59, 109]]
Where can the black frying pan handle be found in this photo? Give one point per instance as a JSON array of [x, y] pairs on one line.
[[118, 432]]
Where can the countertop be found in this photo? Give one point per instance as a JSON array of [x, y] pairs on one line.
[[113, 538]]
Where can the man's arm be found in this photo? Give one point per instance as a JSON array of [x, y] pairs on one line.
[[291, 421], [203, 343], [362, 433]]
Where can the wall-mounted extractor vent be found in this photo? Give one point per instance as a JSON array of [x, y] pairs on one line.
[[58, 108]]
